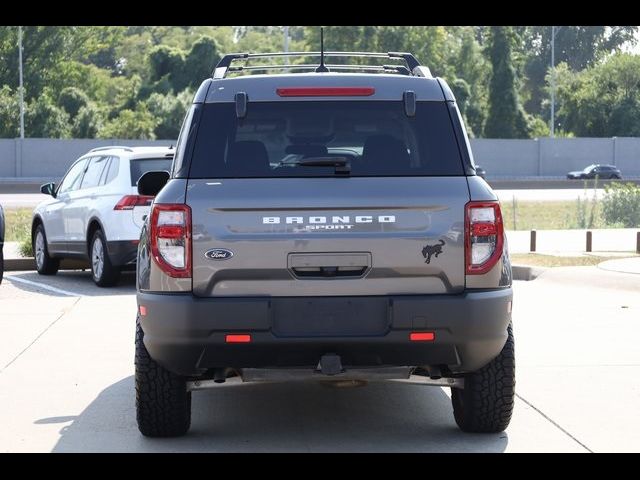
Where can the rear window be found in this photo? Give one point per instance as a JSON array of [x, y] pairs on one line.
[[141, 166], [375, 139]]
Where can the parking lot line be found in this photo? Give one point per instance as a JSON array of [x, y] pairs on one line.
[[11, 278]]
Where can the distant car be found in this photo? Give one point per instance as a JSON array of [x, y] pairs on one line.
[[481, 172], [1, 243], [95, 213], [593, 171]]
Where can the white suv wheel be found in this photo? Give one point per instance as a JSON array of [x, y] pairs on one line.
[[97, 258], [39, 253]]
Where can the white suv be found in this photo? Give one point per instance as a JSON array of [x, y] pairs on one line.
[[95, 213]]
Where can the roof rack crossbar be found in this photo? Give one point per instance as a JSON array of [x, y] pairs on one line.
[[401, 69], [225, 63], [111, 147]]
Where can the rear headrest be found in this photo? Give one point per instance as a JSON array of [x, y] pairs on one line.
[[380, 152], [248, 157]]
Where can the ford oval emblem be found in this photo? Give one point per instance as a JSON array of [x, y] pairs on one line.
[[218, 254]]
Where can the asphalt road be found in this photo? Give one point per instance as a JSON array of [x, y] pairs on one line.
[[66, 380]]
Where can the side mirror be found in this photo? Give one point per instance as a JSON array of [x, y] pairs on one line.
[[48, 189], [152, 182]]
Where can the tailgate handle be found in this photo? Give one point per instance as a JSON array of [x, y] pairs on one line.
[[329, 265], [328, 272]]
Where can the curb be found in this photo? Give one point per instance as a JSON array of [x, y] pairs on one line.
[[22, 264], [526, 272]]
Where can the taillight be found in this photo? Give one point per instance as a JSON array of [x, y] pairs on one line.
[[170, 233], [129, 201], [484, 236]]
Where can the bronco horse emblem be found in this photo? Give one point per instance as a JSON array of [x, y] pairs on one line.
[[432, 250]]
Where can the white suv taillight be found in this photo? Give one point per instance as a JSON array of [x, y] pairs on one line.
[[171, 238], [484, 236], [128, 202]]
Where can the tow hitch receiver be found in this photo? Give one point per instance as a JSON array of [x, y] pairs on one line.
[[330, 364]]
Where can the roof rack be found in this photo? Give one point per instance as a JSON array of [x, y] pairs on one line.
[[111, 147], [411, 67]]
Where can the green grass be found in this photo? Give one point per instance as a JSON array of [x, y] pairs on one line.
[[17, 224], [538, 260], [18, 229], [556, 215]]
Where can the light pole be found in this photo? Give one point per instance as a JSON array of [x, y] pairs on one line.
[[553, 80], [21, 86], [286, 44]]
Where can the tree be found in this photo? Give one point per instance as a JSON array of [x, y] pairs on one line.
[[72, 99], [87, 122], [169, 110], [506, 117], [578, 46], [44, 119], [9, 112], [166, 62], [199, 63], [130, 124], [601, 101]]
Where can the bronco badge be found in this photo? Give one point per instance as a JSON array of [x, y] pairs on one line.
[[218, 254], [432, 250]]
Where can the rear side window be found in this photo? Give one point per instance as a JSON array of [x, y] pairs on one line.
[[112, 170], [143, 165], [376, 138], [94, 172]]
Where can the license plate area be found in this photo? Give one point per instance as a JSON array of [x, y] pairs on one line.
[[330, 317]]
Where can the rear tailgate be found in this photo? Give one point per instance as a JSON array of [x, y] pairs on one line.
[[328, 236]]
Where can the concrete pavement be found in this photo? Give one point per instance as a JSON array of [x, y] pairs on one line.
[[66, 366]]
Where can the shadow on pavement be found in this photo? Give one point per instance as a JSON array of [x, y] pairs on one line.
[[73, 281], [283, 417]]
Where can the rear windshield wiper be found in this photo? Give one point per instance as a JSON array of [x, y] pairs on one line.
[[341, 164]]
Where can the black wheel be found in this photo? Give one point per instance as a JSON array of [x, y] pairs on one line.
[[486, 403], [45, 265], [163, 404], [103, 272]]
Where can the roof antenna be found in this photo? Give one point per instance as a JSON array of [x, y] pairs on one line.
[[322, 68]]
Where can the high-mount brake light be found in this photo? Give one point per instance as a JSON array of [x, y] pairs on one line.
[[238, 338], [326, 91], [484, 236], [422, 336]]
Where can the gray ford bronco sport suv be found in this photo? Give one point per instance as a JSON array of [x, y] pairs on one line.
[[324, 222]]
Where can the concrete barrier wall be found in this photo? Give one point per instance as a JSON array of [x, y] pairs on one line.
[[550, 157], [7, 157], [506, 157], [50, 158]]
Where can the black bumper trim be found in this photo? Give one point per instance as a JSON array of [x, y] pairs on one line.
[[186, 334], [122, 252]]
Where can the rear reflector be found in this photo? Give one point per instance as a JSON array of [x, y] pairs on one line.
[[128, 202], [422, 336], [238, 338], [143, 310], [326, 91]]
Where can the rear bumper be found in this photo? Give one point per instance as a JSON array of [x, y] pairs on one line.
[[123, 252], [186, 334]]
